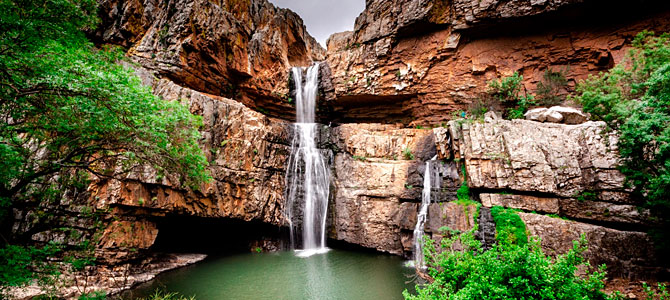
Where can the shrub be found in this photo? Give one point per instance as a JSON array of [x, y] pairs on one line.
[[509, 226], [507, 271], [549, 90], [634, 99], [509, 92], [407, 154]]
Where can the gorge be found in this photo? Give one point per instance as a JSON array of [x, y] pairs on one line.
[[362, 148]]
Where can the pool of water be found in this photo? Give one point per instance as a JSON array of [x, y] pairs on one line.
[[337, 274]]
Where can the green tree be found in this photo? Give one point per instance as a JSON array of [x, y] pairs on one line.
[[69, 110], [69, 106], [634, 99]]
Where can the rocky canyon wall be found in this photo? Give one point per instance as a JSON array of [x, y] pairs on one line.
[[417, 62], [407, 66]]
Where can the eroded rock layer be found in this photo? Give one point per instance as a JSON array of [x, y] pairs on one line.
[[239, 49], [418, 61]]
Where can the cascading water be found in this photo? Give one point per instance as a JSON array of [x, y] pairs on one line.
[[308, 176], [431, 179]]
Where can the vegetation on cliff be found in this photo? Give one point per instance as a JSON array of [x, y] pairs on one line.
[[70, 111], [634, 99], [514, 268]]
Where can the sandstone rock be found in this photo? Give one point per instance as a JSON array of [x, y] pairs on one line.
[[553, 116], [605, 212], [627, 253], [242, 50], [247, 152], [527, 156], [442, 142], [556, 114], [432, 58], [491, 116], [452, 215], [525, 202]]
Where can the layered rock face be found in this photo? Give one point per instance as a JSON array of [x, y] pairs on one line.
[[239, 49], [408, 62], [567, 176], [417, 61], [378, 172]]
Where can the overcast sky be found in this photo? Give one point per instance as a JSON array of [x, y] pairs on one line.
[[325, 17]]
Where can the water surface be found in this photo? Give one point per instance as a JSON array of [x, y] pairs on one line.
[[337, 274]]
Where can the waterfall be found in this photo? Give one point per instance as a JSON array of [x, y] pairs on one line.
[[308, 176], [431, 176]]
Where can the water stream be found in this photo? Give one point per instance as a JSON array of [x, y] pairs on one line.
[[431, 179], [308, 176]]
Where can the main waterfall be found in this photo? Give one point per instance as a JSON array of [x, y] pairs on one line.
[[308, 176], [431, 179]]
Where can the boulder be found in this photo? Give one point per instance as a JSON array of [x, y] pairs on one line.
[[536, 114], [556, 114], [570, 115]]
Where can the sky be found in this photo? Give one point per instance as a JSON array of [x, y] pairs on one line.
[[325, 17]]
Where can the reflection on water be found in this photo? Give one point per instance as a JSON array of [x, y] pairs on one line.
[[334, 275]]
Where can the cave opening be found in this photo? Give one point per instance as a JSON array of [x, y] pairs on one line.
[[217, 236]]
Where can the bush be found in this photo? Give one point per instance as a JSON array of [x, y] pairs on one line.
[[507, 271], [509, 226], [549, 90], [634, 99], [407, 154], [509, 92]]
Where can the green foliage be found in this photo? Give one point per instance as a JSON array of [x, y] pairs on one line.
[[660, 294], [407, 154], [70, 110], [160, 295], [20, 265], [549, 89], [360, 158], [587, 196], [70, 107], [507, 271], [509, 226], [97, 295], [463, 192], [509, 91], [634, 99]]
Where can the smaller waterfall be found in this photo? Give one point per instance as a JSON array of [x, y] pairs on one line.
[[431, 180]]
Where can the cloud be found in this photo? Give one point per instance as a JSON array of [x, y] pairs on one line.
[[325, 17]]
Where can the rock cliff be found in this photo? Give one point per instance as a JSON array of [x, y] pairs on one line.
[[239, 49], [407, 64], [418, 61], [565, 179]]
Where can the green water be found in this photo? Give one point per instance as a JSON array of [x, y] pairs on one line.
[[337, 274]]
